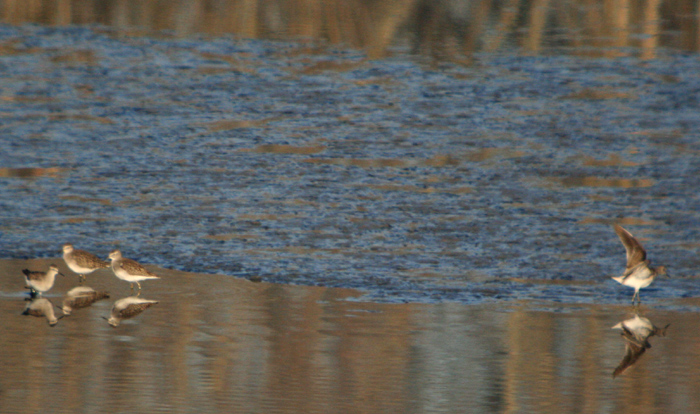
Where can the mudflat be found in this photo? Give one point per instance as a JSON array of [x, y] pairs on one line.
[[216, 343]]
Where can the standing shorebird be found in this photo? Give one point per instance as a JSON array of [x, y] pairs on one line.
[[638, 274], [129, 270], [128, 308], [40, 282], [81, 262]]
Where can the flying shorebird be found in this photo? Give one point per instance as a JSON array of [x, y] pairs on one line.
[[638, 274], [129, 270], [128, 308], [636, 333], [81, 262], [40, 282]]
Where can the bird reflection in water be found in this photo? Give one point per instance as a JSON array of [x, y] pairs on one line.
[[42, 307], [81, 297], [636, 332], [128, 307]]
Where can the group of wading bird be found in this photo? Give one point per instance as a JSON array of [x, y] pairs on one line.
[[638, 273], [84, 263]]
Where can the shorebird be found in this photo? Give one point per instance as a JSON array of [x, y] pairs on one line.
[[42, 307], [638, 274], [128, 308], [636, 333], [40, 282], [81, 297], [81, 262], [129, 270]]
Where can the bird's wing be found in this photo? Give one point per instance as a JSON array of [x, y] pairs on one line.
[[635, 252], [135, 268], [632, 353], [33, 275], [87, 259]]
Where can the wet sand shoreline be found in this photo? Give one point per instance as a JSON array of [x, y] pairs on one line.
[[216, 343]]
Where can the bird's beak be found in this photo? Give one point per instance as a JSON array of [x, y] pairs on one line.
[[61, 274]]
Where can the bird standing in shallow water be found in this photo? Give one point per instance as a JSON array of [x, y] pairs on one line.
[[40, 282], [638, 274], [81, 262], [129, 270]]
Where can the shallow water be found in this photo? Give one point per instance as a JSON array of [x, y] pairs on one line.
[[229, 156], [216, 344], [464, 180]]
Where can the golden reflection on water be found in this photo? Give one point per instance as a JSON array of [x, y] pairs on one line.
[[445, 30], [286, 149], [613, 160], [484, 154], [30, 172], [103, 201], [420, 189], [599, 94], [230, 124], [231, 236], [440, 160], [623, 221], [80, 117], [216, 343], [81, 57], [605, 182]]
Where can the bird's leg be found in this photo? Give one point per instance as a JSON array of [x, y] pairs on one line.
[[131, 287], [139, 285], [636, 295], [81, 279]]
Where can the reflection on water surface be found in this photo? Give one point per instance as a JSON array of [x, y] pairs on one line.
[[297, 162], [447, 30], [81, 297], [606, 182], [41, 308], [221, 344], [480, 189], [30, 172], [636, 332]]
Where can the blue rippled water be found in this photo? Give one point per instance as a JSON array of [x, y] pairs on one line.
[[494, 181]]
